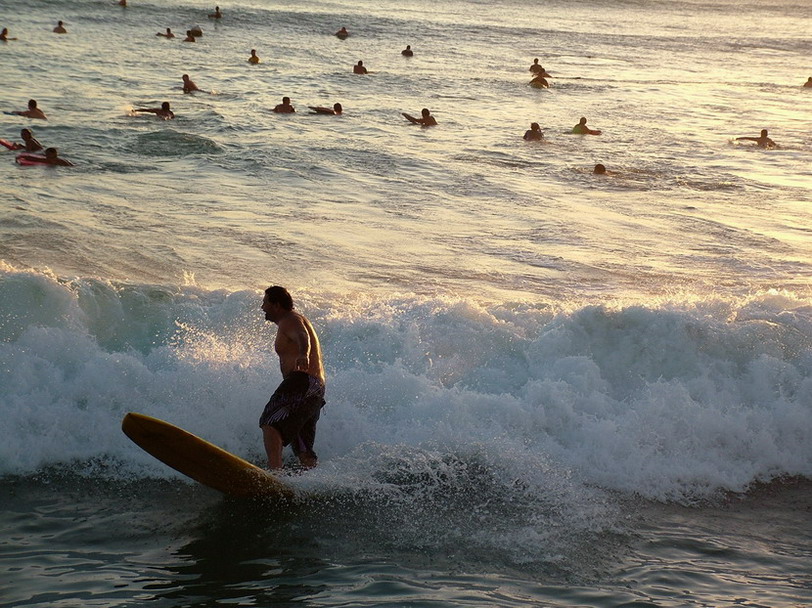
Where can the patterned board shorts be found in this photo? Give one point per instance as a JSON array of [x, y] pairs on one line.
[[294, 410]]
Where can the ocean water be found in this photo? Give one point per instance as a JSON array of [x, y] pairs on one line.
[[545, 387]]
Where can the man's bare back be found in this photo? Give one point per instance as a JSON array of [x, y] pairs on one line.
[[298, 346]]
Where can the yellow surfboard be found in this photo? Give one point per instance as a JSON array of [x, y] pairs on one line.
[[202, 461]]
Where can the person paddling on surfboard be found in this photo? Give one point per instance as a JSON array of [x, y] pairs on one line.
[[426, 119], [33, 111], [291, 415], [762, 140], [164, 111], [336, 110], [29, 143], [582, 129]]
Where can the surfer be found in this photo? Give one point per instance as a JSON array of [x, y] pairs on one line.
[[762, 140], [284, 107], [163, 112], [407, 52], [582, 129], [60, 28], [336, 110], [32, 112], [291, 415], [426, 119], [168, 33], [254, 58], [536, 68], [534, 133], [30, 144], [52, 158], [359, 68], [188, 84]]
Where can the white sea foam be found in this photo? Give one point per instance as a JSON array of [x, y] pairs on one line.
[[676, 402]]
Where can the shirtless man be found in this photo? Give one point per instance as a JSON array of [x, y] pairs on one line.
[[538, 69], [189, 36], [291, 415], [254, 58], [52, 158], [168, 34], [216, 14], [33, 111], [808, 83], [29, 143], [163, 112], [60, 28], [407, 52], [188, 85], [284, 107], [342, 33], [582, 129], [763, 141], [4, 37], [534, 133], [359, 68], [426, 119], [336, 110]]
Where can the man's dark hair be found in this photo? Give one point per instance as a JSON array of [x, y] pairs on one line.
[[279, 295]]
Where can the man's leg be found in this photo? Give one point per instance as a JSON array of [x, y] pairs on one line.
[[273, 446]]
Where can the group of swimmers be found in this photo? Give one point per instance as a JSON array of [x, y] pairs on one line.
[[539, 80]]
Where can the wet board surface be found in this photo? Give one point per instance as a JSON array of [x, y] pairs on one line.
[[202, 461]]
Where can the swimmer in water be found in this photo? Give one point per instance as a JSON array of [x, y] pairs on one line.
[[196, 31], [538, 69], [599, 169], [189, 36], [582, 129], [284, 107], [163, 112], [427, 120], [4, 35], [762, 140], [407, 52], [807, 84], [254, 58], [342, 33], [216, 14], [359, 68], [33, 111], [60, 28], [168, 34], [29, 143], [122, 3], [52, 158], [336, 110], [534, 133], [188, 85], [539, 82]]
